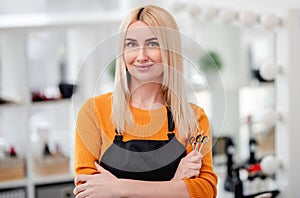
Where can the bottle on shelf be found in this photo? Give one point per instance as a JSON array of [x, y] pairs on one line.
[[230, 151], [237, 183], [252, 142], [12, 152]]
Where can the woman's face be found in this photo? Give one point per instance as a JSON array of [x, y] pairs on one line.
[[142, 53]]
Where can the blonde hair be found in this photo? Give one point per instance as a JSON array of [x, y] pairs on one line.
[[165, 28]]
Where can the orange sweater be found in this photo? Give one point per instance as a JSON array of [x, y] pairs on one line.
[[95, 133]]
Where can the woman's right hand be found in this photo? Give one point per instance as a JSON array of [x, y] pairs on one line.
[[189, 166]]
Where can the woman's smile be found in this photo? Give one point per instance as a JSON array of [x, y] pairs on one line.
[[143, 67]]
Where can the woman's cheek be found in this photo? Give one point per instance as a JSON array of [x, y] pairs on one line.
[[129, 58], [155, 55]]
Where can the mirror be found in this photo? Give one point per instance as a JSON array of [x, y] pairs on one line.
[[249, 97], [257, 97]]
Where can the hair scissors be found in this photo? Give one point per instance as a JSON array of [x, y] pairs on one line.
[[196, 140]]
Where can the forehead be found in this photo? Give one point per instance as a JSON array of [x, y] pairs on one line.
[[140, 31]]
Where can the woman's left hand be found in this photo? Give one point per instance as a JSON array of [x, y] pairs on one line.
[[189, 166], [99, 185]]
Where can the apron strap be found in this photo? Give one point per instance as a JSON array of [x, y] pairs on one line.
[[171, 126]]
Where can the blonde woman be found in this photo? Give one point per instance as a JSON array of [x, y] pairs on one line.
[[134, 142]]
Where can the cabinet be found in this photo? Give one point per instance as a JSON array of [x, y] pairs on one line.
[[33, 49]]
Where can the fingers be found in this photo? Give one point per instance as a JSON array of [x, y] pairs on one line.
[[192, 174], [80, 179], [189, 166], [194, 153], [187, 171], [194, 159], [79, 189], [82, 194], [194, 166], [100, 168], [193, 156]]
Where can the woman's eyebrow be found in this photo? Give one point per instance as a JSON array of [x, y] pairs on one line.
[[130, 39], [147, 40], [151, 39]]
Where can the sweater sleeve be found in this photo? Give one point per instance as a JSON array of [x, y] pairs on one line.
[[87, 140], [205, 185]]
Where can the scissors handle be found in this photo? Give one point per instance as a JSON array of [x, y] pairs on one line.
[[196, 140], [192, 139], [204, 140]]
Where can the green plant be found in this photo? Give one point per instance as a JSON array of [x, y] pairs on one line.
[[210, 61], [112, 68]]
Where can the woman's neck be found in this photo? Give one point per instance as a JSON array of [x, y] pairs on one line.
[[147, 96]]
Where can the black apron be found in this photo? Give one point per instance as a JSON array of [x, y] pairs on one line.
[[148, 160]]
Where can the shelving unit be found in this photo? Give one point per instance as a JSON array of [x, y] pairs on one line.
[[80, 33]]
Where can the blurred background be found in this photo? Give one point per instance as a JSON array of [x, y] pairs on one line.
[[241, 65]]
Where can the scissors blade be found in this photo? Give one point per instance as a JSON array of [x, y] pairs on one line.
[[192, 141]]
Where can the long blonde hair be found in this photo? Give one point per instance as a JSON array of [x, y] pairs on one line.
[[165, 28]]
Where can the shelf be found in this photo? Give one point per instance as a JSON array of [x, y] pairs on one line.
[[67, 101], [40, 180], [22, 123], [12, 105], [11, 102], [37, 180], [13, 183], [50, 20]]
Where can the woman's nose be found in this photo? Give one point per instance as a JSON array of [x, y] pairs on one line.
[[142, 54]]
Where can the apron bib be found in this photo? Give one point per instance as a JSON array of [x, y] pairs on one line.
[[148, 160]]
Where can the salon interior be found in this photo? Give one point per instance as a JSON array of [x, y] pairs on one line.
[[241, 63]]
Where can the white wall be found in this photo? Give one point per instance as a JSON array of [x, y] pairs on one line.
[[287, 141]]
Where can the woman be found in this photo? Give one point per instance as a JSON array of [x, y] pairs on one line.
[[134, 142]]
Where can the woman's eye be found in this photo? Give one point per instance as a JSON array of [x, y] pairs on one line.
[[131, 44], [153, 44]]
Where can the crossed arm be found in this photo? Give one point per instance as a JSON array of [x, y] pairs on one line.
[[104, 184]]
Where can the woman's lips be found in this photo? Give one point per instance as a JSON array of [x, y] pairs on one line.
[[143, 67]]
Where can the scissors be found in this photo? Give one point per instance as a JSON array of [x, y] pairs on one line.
[[196, 140]]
